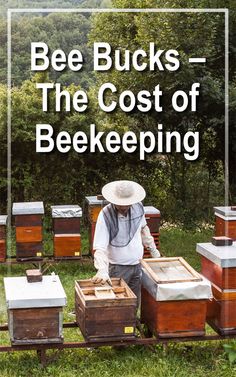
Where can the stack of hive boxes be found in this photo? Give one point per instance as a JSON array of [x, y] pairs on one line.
[[153, 217], [94, 206], [225, 221], [218, 261], [29, 230], [66, 229], [3, 222]]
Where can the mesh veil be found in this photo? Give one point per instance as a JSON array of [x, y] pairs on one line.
[[122, 229]]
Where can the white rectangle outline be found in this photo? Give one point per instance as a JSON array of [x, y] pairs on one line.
[[112, 10]]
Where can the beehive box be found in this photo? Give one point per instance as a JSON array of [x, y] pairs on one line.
[[153, 217], [29, 230], [67, 246], [218, 264], [35, 310], [105, 315], [94, 205], [174, 298], [66, 219], [221, 310], [225, 222], [3, 223]]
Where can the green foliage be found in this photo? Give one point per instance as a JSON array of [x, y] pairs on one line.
[[230, 350], [185, 192]]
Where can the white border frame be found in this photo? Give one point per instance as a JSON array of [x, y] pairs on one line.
[[112, 10]]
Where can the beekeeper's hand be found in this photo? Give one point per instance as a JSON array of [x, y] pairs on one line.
[[101, 277], [155, 253], [101, 263]]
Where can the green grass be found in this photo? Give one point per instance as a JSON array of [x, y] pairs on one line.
[[177, 360]]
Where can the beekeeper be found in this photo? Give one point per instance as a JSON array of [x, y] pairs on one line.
[[120, 235]]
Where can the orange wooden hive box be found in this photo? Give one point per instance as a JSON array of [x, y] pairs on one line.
[[225, 222], [218, 264], [221, 310], [174, 298], [29, 230], [105, 312], [3, 223]]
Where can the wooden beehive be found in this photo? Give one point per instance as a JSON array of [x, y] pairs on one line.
[[221, 310], [225, 222], [66, 229], [67, 245], [94, 205], [35, 310], [153, 217], [29, 230], [66, 219], [218, 264], [101, 316], [3, 222], [174, 298]]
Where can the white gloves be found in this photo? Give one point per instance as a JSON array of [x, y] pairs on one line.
[[148, 242], [155, 253], [101, 264], [101, 277]]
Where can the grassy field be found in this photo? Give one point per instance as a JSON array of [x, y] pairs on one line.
[[177, 360]]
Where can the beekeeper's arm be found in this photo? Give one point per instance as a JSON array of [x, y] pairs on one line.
[[100, 245]]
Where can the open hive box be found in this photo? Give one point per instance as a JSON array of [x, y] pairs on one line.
[[104, 312], [174, 298]]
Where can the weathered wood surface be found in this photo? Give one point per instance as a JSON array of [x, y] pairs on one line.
[[28, 220], [173, 318], [36, 324], [29, 249], [66, 225], [105, 318]]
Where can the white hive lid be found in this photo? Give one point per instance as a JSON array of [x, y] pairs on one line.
[[46, 293], [151, 210], [93, 200], [28, 208], [3, 219], [225, 211], [66, 211], [223, 256]]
